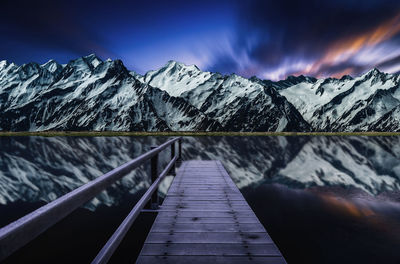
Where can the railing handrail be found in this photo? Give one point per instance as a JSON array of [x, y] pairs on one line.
[[25, 229], [112, 244]]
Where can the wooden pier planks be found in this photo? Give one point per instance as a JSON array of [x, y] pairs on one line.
[[205, 219]]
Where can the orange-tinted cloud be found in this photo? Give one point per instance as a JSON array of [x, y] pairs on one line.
[[344, 49]]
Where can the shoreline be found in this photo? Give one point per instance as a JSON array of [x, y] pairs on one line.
[[186, 133]]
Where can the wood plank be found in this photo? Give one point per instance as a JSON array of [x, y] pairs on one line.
[[206, 227], [171, 202], [204, 218], [209, 259], [201, 198], [229, 195], [209, 237], [209, 213], [211, 249], [215, 207]]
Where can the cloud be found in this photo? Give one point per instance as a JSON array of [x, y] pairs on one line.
[[142, 33], [341, 51], [49, 25], [323, 37], [270, 39]]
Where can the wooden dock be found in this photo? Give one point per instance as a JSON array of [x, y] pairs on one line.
[[205, 219]]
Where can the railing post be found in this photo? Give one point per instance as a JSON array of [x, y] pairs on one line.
[[20, 232], [154, 176], [180, 150], [172, 172]]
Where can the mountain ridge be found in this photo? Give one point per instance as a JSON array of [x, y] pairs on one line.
[[88, 93]]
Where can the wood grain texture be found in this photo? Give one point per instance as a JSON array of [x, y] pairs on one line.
[[205, 219]]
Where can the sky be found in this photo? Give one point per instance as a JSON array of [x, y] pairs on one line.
[[267, 39]]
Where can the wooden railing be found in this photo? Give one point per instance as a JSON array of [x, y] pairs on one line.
[[22, 231]]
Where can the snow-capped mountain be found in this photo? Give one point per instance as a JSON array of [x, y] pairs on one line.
[[91, 94], [389, 121], [288, 82], [347, 104], [237, 103], [44, 168]]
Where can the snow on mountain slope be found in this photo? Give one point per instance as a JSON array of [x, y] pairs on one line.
[[366, 112], [307, 97], [388, 122], [52, 66], [88, 94], [342, 113], [345, 104], [176, 78], [91, 94], [288, 82], [237, 103]]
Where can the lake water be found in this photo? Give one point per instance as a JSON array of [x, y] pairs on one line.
[[321, 199]]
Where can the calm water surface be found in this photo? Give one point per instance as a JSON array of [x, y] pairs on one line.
[[322, 199]]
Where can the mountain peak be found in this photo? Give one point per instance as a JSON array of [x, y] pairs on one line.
[[300, 78], [118, 64], [93, 60], [86, 63], [3, 64], [346, 77], [373, 72], [91, 56], [112, 68], [292, 77], [180, 65], [375, 75], [171, 63], [52, 66], [51, 61]]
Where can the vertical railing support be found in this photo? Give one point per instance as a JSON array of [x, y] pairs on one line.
[[154, 176], [179, 151], [22, 231], [172, 171]]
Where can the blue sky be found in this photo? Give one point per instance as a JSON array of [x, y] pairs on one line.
[[269, 39]]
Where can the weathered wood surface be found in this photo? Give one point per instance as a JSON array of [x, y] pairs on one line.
[[205, 219]]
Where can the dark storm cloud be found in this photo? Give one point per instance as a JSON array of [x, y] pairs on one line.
[[75, 27], [270, 39], [126, 29], [49, 25], [304, 31]]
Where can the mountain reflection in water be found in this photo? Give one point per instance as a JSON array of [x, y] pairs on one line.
[[322, 199]]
